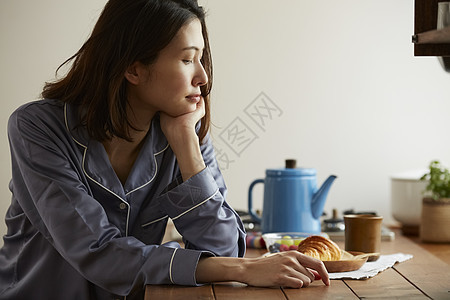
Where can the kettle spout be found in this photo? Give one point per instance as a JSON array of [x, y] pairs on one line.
[[319, 197]]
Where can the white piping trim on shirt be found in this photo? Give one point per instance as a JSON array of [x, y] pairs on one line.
[[67, 127], [194, 207], [87, 175], [170, 265], [154, 175], [154, 221], [98, 183]]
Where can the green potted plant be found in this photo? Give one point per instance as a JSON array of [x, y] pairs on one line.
[[435, 223]]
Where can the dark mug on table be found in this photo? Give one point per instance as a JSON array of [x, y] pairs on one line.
[[363, 234]]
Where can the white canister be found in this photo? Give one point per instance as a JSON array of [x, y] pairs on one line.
[[406, 197]]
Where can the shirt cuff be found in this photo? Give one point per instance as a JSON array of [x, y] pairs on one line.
[[183, 265], [190, 194]]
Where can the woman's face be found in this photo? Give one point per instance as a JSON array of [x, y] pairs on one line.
[[172, 83]]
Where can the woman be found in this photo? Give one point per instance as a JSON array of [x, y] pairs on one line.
[[112, 152]]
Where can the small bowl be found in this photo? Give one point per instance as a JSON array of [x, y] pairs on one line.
[[283, 241], [346, 264]]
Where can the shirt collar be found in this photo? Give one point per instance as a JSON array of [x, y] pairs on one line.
[[96, 163]]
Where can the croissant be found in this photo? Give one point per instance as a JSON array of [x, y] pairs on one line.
[[320, 247]]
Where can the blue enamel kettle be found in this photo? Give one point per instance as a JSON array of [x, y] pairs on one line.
[[292, 202]]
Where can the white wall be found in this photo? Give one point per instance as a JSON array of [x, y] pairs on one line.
[[354, 100]]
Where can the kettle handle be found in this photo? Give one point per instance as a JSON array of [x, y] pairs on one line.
[[251, 212]]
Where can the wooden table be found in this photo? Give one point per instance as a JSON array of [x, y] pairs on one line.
[[424, 277]]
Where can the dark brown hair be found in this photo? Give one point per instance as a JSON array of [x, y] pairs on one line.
[[126, 31]]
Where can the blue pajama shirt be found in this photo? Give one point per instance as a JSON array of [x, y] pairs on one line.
[[75, 232]]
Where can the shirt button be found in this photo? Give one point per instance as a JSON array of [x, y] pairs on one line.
[[122, 205]]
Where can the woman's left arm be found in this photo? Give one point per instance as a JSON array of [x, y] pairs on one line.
[[197, 206]]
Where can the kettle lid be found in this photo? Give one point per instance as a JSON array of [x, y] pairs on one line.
[[291, 170]]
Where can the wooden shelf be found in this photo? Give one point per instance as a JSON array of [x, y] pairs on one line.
[[425, 19]]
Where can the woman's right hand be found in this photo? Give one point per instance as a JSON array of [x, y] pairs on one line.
[[287, 269], [183, 140]]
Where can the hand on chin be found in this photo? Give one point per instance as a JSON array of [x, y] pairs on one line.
[[170, 123]]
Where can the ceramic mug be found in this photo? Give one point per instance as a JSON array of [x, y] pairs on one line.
[[363, 234]]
